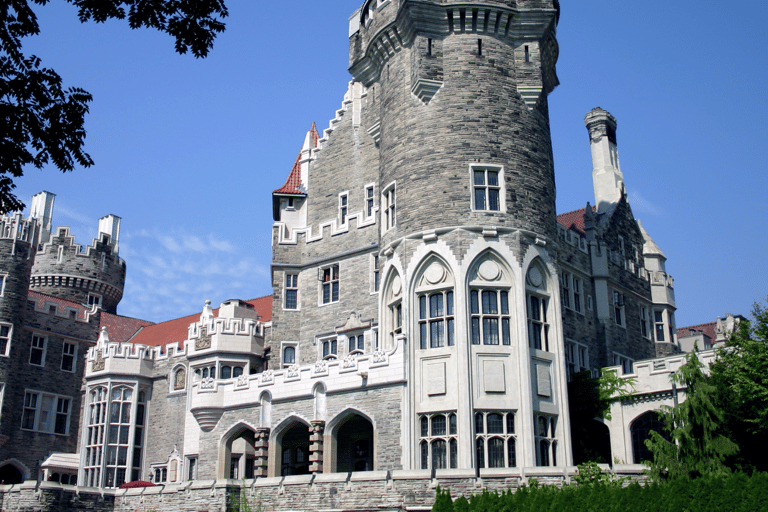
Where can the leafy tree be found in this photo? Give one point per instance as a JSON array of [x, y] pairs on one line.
[[696, 447], [740, 374], [41, 121]]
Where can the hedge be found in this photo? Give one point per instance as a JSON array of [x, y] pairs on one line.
[[737, 492]]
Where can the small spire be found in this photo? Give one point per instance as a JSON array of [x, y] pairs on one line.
[[207, 317]]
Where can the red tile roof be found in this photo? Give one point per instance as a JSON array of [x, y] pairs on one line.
[[172, 331], [293, 183], [708, 329], [574, 219], [121, 328], [42, 298]]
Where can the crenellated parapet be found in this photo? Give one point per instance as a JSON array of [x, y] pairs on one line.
[[227, 333], [382, 28], [92, 274], [109, 358]]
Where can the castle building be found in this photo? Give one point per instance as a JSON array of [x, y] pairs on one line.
[[428, 305]]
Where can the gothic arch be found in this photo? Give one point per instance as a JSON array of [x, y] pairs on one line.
[[319, 403], [492, 304], [265, 409], [289, 447], [640, 429], [236, 451], [351, 441], [178, 378], [434, 298], [391, 308], [13, 471]]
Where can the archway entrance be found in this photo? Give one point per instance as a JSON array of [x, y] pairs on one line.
[[294, 450], [239, 454], [641, 430], [10, 474], [354, 445]]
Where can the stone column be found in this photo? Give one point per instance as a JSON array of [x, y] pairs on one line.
[[261, 451], [316, 432]]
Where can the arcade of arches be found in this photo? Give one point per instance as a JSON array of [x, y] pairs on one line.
[[298, 448]]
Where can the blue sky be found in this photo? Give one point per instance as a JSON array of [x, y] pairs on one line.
[[187, 151]]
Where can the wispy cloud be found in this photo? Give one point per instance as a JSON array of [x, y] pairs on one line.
[[172, 274], [640, 204]]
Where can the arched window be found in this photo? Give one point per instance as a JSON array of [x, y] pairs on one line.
[[537, 307], [490, 318], [438, 433], [640, 430], [435, 307], [393, 302], [495, 437], [289, 355]]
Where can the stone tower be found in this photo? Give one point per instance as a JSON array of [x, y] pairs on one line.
[[17, 253], [90, 275], [421, 228]]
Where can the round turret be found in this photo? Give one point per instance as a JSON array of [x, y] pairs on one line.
[[464, 126], [91, 275], [17, 252]]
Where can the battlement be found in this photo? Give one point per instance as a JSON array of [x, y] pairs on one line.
[[87, 274], [44, 305], [15, 227], [108, 357], [233, 335]]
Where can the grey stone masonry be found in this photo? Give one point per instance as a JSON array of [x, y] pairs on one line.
[[71, 271]]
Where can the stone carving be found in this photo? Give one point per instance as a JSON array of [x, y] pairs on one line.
[[534, 277], [435, 273], [180, 379], [350, 361], [293, 371], [267, 377], [321, 367], [379, 356], [242, 381], [207, 383], [489, 270], [204, 341], [98, 364]]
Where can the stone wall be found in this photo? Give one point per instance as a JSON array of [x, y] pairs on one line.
[[382, 491]]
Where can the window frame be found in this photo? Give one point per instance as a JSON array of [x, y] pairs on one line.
[[334, 278], [43, 350], [619, 308], [95, 299], [3, 279], [549, 438], [389, 207], [626, 363], [369, 198], [483, 436], [487, 187], [53, 413], [343, 216], [542, 321], [284, 346], [450, 438], [332, 353], [73, 355], [6, 339], [291, 288], [446, 317], [504, 320], [354, 341], [576, 357]]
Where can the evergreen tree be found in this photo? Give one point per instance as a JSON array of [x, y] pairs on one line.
[[740, 374], [696, 446]]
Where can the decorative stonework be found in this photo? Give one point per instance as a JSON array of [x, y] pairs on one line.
[[261, 451], [180, 379], [98, 364], [349, 362], [267, 377], [207, 383], [293, 372], [316, 431], [425, 89], [379, 357], [204, 341], [242, 382], [321, 367]]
